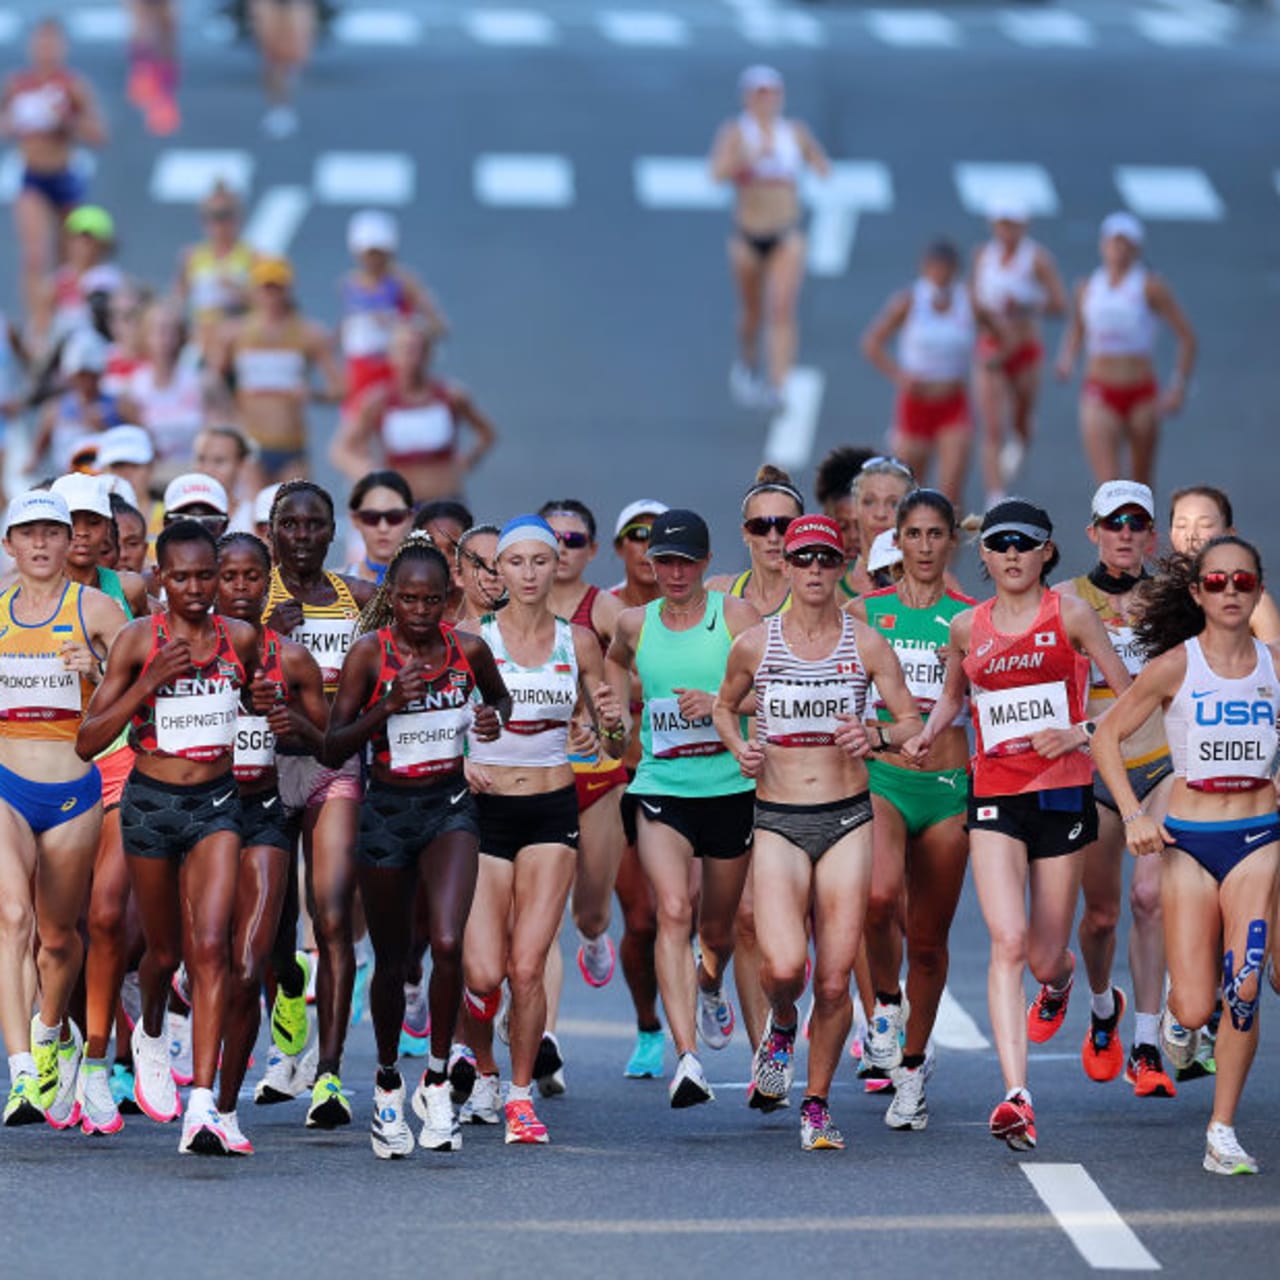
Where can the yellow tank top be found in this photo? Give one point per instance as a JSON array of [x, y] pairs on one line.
[[327, 629], [40, 699], [739, 589], [208, 278]]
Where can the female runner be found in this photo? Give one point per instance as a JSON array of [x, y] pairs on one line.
[[477, 571], [1219, 690], [810, 668], [877, 489], [833, 488], [1025, 654], [381, 507], [214, 275]]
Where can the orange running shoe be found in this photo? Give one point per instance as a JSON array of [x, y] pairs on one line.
[[1102, 1054], [1145, 1071], [523, 1125], [1048, 1009], [1014, 1122], [162, 116]]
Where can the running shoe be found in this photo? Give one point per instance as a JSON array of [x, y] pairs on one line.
[[181, 985], [523, 1125], [883, 1045], [1047, 1011], [689, 1085], [281, 1081], [482, 1008], [908, 1109], [1223, 1152], [596, 960], [131, 998], [98, 1110], [874, 1079], [482, 1106], [1145, 1071], [46, 1056], [440, 1128], [462, 1074], [178, 1029], [645, 1062], [237, 1143], [202, 1131], [1179, 1042], [64, 1113], [1012, 453], [389, 1131], [1204, 1063], [715, 1018], [122, 1089], [548, 1067], [23, 1106], [772, 1068], [290, 1025], [313, 975], [1014, 1122], [329, 1106], [817, 1130], [1102, 1053], [154, 1089], [415, 1026], [744, 386]]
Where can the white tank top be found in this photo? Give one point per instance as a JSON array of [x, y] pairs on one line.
[[937, 346], [413, 430], [798, 699], [1222, 733], [1118, 321], [1007, 285], [782, 161], [542, 702], [173, 414], [261, 369]]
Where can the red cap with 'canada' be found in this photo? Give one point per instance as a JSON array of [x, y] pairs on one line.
[[814, 531]]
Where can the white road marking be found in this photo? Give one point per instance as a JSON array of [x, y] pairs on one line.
[[276, 218], [364, 177], [791, 433], [377, 27], [914, 28], [980, 186], [100, 24], [853, 187], [10, 26], [678, 182], [510, 27], [187, 175], [954, 1028], [1102, 1237], [771, 27], [644, 28], [11, 167], [523, 181], [1185, 30], [1169, 192], [1053, 28]]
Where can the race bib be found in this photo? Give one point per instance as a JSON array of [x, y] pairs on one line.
[[1229, 758], [197, 726], [803, 713], [327, 640], [255, 746], [426, 742], [38, 689], [1013, 715], [672, 735]]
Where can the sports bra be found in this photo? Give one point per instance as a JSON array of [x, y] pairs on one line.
[[782, 163], [739, 588], [214, 283], [1006, 284], [263, 366], [798, 699]]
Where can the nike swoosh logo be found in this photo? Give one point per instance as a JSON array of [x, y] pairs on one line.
[[571, 835], [848, 822], [1261, 835], [221, 800], [1203, 694], [458, 798], [596, 786], [711, 626], [654, 809], [269, 801]]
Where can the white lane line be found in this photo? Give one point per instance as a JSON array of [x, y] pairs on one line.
[[1169, 192], [981, 186], [953, 1028], [101, 24], [792, 432], [832, 233], [914, 28], [11, 167], [771, 28], [678, 182], [1184, 30], [1102, 1237], [644, 28], [276, 218], [853, 187], [364, 177], [510, 27], [186, 175], [10, 25], [377, 27], [1050, 29], [523, 181]]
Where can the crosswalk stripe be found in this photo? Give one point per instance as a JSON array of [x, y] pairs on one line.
[[981, 186], [677, 182], [276, 218], [644, 28], [523, 181], [10, 26], [953, 1028], [1102, 1237], [510, 27], [771, 28], [101, 24], [1169, 192], [1180, 30], [852, 188], [1050, 29], [185, 175], [364, 178], [377, 27], [792, 432], [913, 28]]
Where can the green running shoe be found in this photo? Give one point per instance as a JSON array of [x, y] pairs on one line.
[[329, 1106], [289, 1024], [23, 1106], [46, 1056]]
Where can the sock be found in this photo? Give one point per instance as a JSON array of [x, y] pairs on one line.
[[1066, 986], [883, 998], [201, 1100], [95, 1064], [520, 1093], [1103, 1006], [1146, 1028], [812, 1097], [913, 1061], [1016, 1090], [785, 1031], [21, 1064], [435, 1070], [40, 1034], [328, 1067], [648, 1029], [389, 1079]]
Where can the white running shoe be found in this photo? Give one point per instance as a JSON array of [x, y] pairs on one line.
[[417, 1015], [907, 1110], [64, 1111], [154, 1089], [483, 1105], [1223, 1152], [883, 1045], [502, 1020], [178, 1029], [744, 387], [1012, 453], [440, 1128], [1180, 1043], [389, 1131], [237, 1143], [596, 959], [131, 999], [98, 1110], [715, 1018], [689, 1085], [202, 1131]]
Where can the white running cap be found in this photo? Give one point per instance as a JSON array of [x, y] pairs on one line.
[[119, 485], [633, 510], [195, 489], [1118, 494], [1123, 224], [37, 504], [759, 77], [126, 444], [372, 229], [83, 493], [83, 352], [263, 502], [885, 552]]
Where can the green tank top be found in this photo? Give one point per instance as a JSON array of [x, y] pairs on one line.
[[682, 757]]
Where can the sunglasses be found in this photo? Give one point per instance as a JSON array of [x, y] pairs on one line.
[[1215, 582], [215, 524], [479, 563], [370, 517], [635, 533], [823, 556], [219, 215], [1012, 540], [761, 526], [1132, 520], [574, 540]]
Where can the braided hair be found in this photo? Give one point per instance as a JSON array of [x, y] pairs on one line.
[[416, 546], [291, 487]]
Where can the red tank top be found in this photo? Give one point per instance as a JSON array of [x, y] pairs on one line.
[[427, 737], [255, 755], [1022, 684], [582, 616], [193, 716]]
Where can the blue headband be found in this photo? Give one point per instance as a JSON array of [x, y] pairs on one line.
[[528, 528]]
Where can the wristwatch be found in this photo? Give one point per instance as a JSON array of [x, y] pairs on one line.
[[1090, 727]]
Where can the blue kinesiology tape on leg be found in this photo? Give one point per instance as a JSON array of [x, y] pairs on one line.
[[1255, 949]]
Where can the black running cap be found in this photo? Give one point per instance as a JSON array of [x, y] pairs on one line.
[[680, 533], [1016, 515]]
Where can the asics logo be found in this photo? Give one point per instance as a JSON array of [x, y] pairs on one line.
[[1075, 831], [68, 805], [219, 801]]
